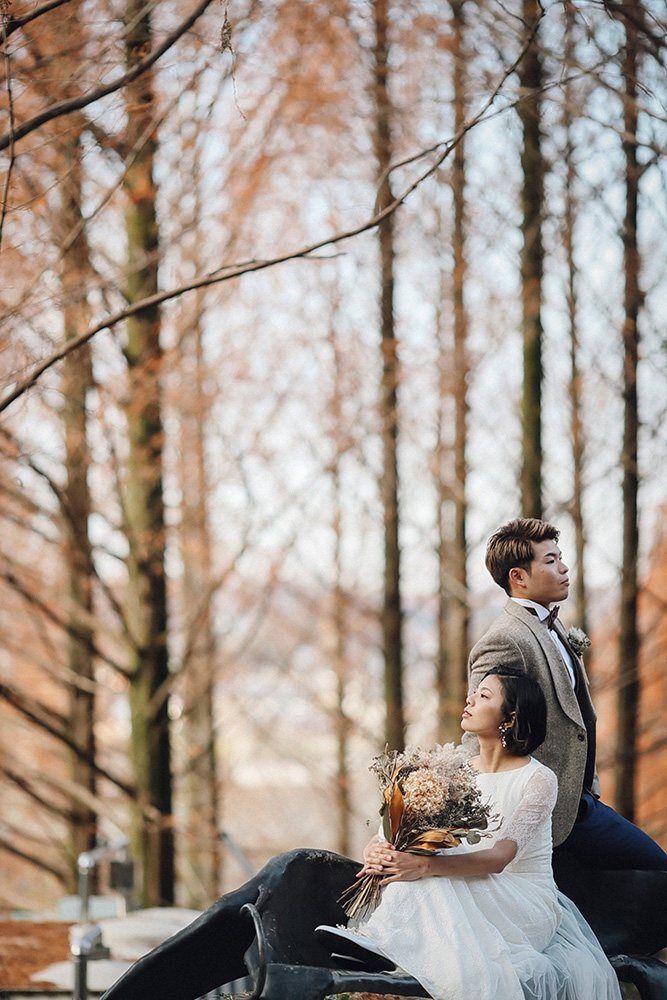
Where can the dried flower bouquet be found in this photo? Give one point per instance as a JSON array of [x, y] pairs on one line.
[[430, 802]]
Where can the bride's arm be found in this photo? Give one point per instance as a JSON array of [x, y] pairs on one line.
[[401, 866], [532, 812]]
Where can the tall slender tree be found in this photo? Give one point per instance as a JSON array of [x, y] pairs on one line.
[[453, 611], [69, 235], [577, 431], [446, 687], [339, 607], [532, 257], [77, 507], [146, 604], [628, 679], [198, 785], [459, 610], [392, 610]]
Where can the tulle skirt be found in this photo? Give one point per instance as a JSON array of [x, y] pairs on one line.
[[509, 936]]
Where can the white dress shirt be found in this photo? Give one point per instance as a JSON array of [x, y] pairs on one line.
[[543, 614]]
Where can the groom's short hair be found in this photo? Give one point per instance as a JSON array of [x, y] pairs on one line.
[[512, 545]]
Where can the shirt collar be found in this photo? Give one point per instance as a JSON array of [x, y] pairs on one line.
[[540, 610]]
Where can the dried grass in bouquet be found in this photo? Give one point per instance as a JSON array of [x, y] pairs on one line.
[[430, 802]]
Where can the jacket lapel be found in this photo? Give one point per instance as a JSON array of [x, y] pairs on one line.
[[584, 696], [559, 673]]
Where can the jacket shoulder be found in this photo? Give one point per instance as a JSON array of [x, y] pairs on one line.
[[508, 623], [509, 641]]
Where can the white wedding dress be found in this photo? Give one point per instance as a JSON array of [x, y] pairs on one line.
[[506, 936]]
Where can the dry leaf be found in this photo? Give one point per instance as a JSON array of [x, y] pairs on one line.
[[395, 809], [434, 839]]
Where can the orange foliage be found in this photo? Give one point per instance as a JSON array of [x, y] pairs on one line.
[[651, 797]]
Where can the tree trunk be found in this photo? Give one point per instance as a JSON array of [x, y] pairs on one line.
[[75, 272], [459, 601], [443, 671], [628, 680], [146, 612], [392, 612], [201, 848], [532, 263], [453, 611], [575, 383], [77, 379], [340, 441], [343, 722]]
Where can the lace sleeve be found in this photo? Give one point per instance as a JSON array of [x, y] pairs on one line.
[[535, 807]]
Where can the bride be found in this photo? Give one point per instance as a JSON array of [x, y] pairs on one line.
[[488, 921]]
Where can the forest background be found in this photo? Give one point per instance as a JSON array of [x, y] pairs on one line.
[[300, 301]]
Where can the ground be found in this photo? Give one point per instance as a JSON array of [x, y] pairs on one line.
[[27, 947]]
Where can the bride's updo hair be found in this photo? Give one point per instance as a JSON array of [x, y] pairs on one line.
[[523, 699]]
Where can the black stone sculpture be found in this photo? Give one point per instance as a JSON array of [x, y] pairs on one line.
[[627, 909], [265, 931]]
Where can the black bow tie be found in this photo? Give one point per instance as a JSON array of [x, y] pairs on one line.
[[551, 617]]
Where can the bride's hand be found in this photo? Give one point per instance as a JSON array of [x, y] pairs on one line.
[[403, 867], [395, 866], [376, 852]]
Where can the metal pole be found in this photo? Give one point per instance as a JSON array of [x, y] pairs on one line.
[[84, 947], [80, 977], [86, 863]]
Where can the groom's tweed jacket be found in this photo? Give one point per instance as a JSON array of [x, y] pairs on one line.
[[519, 639]]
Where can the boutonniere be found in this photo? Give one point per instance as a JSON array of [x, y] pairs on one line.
[[578, 640]]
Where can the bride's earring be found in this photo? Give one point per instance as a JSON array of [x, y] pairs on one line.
[[503, 727]]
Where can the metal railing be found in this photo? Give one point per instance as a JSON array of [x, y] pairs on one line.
[[86, 864], [85, 947], [86, 940]]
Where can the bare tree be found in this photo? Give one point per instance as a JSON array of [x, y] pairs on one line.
[[456, 587], [143, 504], [532, 258], [197, 785], [575, 386], [628, 679], [61, 41], [341, 441], [392, 610], [77, 507]]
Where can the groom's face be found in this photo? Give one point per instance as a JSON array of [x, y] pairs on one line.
[[546, 581]]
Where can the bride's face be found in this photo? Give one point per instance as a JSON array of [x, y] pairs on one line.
[[483, 712]]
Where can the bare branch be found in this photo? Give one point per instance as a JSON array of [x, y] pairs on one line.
[[10, 108], [640, 20], [21, 773], [76, 103], [15, 23], [21, 455], [34, 859], [227, 272], [70, 629], [37, 714], [19, 779]]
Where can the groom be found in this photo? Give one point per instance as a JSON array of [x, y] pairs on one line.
[[523, 558]]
